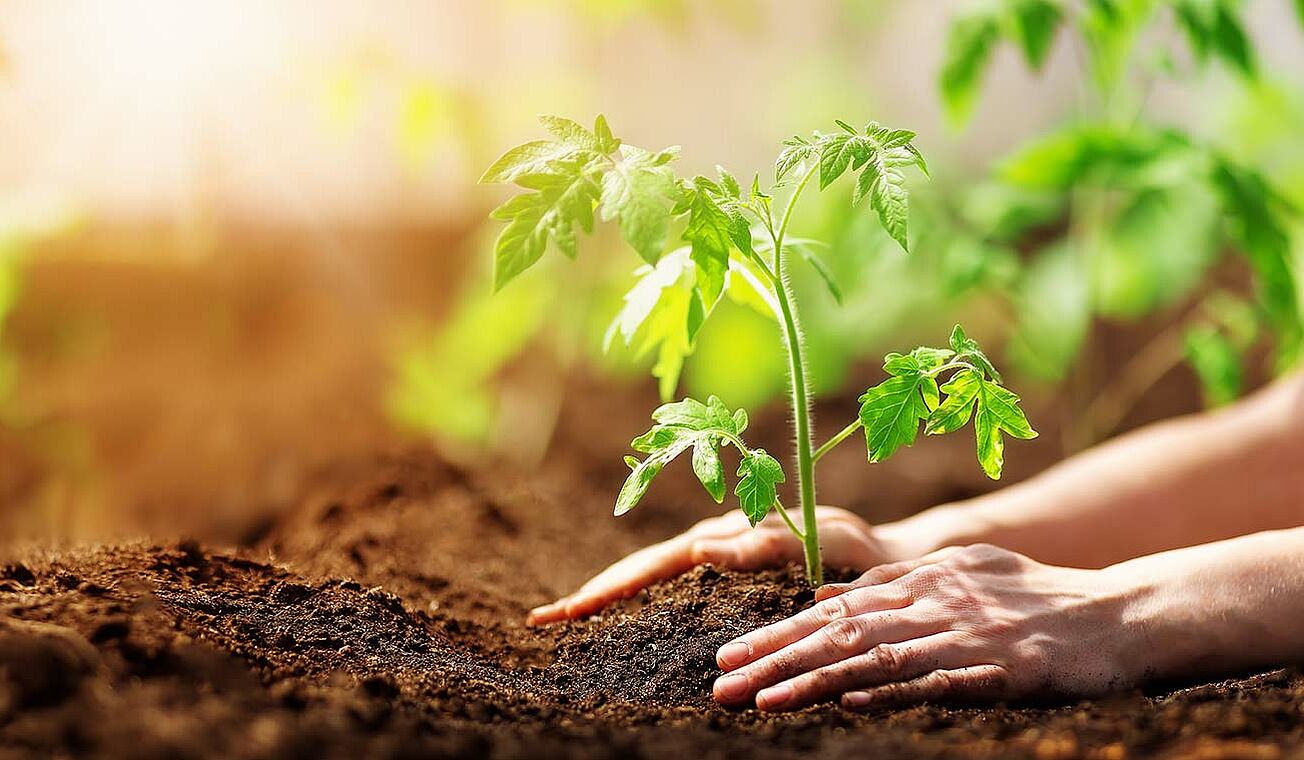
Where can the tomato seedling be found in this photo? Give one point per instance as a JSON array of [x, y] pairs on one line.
[[736, 236]]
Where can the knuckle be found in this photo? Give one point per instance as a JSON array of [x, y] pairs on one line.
[[845, 635], [833, 609], [887, 659]]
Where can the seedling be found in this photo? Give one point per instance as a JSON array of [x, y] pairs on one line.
[[737, 238]]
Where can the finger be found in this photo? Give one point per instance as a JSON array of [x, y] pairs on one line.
[[637, 571], [883, 573], [978, 683], [548, 613], [884, 664], [765, 641], [840, 640], [761, 548]]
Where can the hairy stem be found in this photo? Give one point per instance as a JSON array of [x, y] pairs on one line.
[[835, 440], [800, 396]]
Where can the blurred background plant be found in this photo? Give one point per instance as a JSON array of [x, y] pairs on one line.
[[1143, 200]]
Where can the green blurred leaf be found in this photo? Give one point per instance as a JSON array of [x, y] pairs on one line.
[[563, 199], [1034, 23], [1216, 364], [1054, 311], [1257, 219], [969, 45]]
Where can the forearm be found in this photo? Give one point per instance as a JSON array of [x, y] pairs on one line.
[[1183, 482], [1217, 608]]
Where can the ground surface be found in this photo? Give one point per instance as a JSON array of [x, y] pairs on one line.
[[345, 591], [368, 622]]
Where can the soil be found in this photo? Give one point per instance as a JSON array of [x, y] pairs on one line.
[[382, 617], [371, 602]]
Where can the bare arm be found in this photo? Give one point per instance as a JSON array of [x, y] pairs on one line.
[[1187, 481]]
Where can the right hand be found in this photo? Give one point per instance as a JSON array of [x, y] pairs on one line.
[[727, 541]]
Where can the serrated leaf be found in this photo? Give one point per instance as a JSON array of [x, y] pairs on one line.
[[607, 142], [969, 46], [707, 468], [995, 412], [1034, 23], [636, 192], [836, 154], [710, 234], [562, 200], [534, 157], [642, 299], [728, 183], [885, 187], [759, 475], [680, 425], [792, 156], [572, 133], [892, 410], [967, 350]]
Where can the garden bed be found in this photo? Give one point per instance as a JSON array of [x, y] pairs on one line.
[[382, 616]]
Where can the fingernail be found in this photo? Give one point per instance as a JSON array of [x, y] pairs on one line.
[[775, 696], [731, 688], [733, 654], [855, 700]]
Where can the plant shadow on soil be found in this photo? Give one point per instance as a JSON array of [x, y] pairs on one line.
[[382, 616]]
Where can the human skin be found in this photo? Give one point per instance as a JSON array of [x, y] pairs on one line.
[[1082, 597]]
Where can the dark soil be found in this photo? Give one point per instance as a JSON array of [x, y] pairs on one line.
[[385, 621]]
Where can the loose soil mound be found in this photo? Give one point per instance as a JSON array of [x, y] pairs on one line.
[[381, 616]]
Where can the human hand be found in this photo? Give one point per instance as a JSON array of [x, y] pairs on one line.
[[977, 623], [727, 541]]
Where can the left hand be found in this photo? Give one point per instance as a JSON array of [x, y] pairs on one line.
[[976, 623]]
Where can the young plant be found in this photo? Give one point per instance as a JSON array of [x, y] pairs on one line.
[[739, 239]]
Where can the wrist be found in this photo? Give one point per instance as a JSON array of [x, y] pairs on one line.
[[1164, 630], [928, 531]]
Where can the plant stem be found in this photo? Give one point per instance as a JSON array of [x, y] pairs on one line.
[[800, 397], [835, 440], [791, 525]]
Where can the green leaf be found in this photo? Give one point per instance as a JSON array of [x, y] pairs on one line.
[[573, 134], [636, 191], [994, 409], [1257, 220], [796, 151], [836, 153], [967, 350], [707, 467], [680, 425], [1053, 310], [1033, 24], [969, 46], [534, 157], [759, 475], [710, 233], [821, 269], [891, 411], [607, 142], [643, 298], [1217, 365], [562, 200], [1212, 27], [886, 189]]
